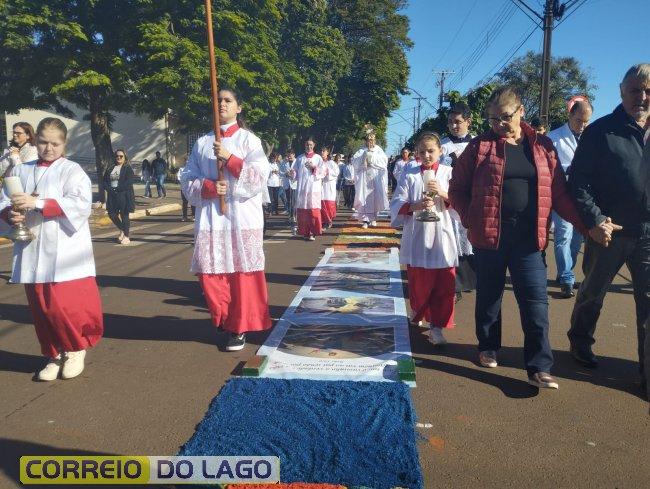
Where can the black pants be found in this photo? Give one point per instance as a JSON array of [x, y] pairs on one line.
[[185, 205], [273, 193], [348, 196], [600, 266], [121, 221]]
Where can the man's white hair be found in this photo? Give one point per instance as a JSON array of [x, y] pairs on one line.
[[640, 71]]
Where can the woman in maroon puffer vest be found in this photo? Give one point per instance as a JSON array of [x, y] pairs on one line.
[[504, 186]]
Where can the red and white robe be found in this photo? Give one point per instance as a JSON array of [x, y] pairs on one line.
[[309, 170], [57, 268], [328, 198], [228, 254], [428, 249]]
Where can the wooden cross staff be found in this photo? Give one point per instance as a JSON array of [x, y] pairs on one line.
[[215, 95]]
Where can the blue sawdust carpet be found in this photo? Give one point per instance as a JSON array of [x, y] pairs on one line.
[[349, 433]]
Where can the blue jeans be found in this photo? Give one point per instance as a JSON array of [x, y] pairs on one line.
[[160, 186], [567, 244], [517, 254], [147, 185]]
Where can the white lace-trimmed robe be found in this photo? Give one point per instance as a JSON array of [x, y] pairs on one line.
[[233, 242], [62, 250], [310, 188], [332, 171], [371, 185], [424, 244]]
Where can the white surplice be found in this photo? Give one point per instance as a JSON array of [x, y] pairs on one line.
[[233, 242], [371, 186], [63, 249], [310, 188], [332, 171], [424, 244]]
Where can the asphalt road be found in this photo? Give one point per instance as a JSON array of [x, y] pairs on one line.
[[151, 378]]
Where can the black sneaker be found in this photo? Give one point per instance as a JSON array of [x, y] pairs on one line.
[[566, 291], [236, 342]]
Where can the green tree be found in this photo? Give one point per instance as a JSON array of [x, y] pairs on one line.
[[568, 78]]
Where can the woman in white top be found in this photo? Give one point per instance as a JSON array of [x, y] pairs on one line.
[[228, 253], [57, 267], [21, 149], [273, 182]]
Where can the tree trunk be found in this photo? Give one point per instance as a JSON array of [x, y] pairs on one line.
[[101, 134]]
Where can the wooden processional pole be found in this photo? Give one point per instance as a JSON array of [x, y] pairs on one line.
[[215, 94]]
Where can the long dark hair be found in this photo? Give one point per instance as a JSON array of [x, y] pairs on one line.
[[241, 121], [29, 130]]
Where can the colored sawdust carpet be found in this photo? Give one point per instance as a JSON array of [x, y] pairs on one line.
[[297, 485], [348, 433], [359, 230]]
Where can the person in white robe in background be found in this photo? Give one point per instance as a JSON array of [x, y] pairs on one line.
[[308, 170], [228, 254], [328, 198], [371, 188]]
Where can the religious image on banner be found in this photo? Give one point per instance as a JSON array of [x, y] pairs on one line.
[[379, 258], [353, 279], [338, 342], [346, 305]]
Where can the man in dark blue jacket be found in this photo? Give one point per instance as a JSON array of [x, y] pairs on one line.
[[609, 181]]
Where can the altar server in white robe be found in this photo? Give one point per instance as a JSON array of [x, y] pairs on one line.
[[459, 121], [428, 249], [328, 199], [57, 268], [401, 163], [371, 187], [308, 170], [228, 254]]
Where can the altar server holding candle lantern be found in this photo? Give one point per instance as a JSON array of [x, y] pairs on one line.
[[52, 197], [428, 247]]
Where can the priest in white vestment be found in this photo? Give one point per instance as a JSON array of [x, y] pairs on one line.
[[371, 185]]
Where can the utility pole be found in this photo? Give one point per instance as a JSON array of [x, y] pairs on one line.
[[418, 108], [441, 83], [553, 10]]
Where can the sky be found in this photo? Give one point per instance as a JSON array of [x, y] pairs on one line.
[[606, 36]]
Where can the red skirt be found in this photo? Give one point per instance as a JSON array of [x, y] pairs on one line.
[[431, 295], [67, 315], [328, 211], [309, 222], [238, 302]]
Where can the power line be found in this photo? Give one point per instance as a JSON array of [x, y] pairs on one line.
[[520, 3], [451, 43], [482, 48], [567, 15], [515, 51]]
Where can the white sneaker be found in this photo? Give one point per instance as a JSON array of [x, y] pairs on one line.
[[364, 225], [373, 224], [51, 370], [312, 238], [436, 337], [126, 241], [74, 364]]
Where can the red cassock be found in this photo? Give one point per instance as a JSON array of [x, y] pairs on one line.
[[328, 211], [238, 302], [432, 293], [67, 315], [309, 222]]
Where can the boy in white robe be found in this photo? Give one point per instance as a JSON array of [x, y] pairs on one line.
[[428, 249], [57, 267], [228, 254], [371, 184], [328, 198], [308, 171]]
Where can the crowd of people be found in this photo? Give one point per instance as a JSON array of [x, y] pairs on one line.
[[471, 208]]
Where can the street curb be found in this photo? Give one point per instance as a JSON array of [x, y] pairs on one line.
[[161, 209]]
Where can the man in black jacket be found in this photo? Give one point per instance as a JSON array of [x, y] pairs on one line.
[[610, 184]]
